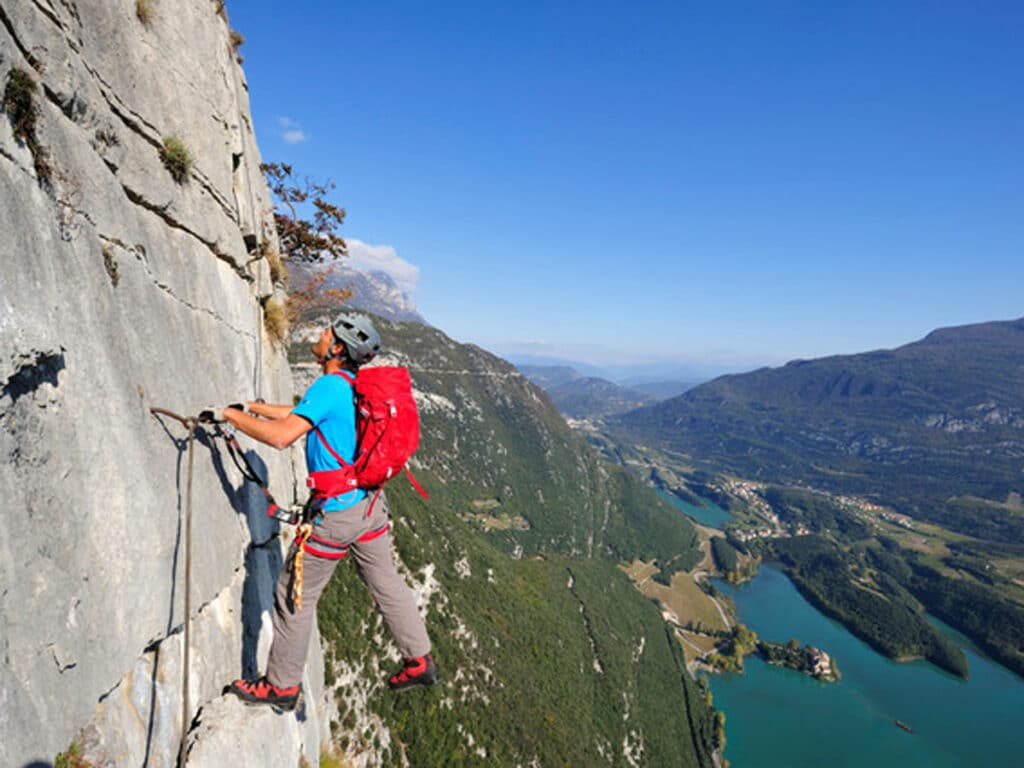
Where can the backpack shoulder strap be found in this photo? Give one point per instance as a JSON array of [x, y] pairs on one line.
[[346, 376], [330, 450], [351, 380]]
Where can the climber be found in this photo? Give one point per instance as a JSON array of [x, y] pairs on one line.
[[355, 522]]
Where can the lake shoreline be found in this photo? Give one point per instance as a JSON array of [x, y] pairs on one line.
[[851, 723]]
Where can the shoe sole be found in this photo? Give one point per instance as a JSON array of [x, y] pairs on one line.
[[281, 708], [414, 684]]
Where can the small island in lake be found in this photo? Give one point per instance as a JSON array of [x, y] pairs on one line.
[[807, 659], [741, 642]]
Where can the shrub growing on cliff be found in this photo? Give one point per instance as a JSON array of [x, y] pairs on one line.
[[20, 105], [237, 40], [176, 158], [275, 321], [307, 225], [71, 759], [110, 264], [278, 271]]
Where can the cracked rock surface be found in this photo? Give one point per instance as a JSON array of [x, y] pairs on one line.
[[122, 289]]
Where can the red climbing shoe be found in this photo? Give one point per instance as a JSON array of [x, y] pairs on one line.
[[262, 692], [418, 671]]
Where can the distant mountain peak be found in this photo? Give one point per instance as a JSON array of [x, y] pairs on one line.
[[374, 291]]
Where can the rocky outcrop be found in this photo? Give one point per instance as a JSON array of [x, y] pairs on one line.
[[123, 289]]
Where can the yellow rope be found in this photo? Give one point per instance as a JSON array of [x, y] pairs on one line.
[[301, 535]]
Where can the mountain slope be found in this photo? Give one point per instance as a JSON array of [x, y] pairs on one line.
[[927, 426], [549, 654], [584, 397], [373, 291]]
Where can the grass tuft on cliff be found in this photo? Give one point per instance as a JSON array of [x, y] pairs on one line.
[[176, 158]]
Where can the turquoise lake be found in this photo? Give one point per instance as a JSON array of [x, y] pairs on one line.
[[778, 717], [710, 514]]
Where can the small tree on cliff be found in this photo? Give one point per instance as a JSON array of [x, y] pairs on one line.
[[304, 239], [307, 226]]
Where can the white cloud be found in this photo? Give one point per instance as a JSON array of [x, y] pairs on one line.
[[383, 258], [291, 132]]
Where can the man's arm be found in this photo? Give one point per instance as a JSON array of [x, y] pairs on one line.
[[268, 410], [275, 432]]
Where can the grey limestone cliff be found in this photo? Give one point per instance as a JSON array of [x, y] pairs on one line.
[[123, 289]]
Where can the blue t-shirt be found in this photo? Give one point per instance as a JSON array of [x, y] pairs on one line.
[[329, 404]]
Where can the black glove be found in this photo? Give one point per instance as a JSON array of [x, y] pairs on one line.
[[214, 413]]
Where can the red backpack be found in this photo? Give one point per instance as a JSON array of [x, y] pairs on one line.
[[387, 434]]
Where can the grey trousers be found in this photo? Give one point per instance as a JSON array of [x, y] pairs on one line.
[[376, 567]]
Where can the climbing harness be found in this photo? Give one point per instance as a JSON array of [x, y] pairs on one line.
[[191, 424]]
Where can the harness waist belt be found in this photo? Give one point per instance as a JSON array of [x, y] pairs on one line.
[[330, 550], [332, 482]]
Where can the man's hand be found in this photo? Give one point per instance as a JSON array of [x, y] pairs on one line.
[[214, 413]]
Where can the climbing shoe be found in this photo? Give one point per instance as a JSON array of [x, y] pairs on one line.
[[418, 671], [262, 692]]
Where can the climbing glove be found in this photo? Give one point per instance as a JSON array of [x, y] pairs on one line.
[[213, 413]]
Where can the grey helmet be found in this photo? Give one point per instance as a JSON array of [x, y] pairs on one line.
[[362, 342]]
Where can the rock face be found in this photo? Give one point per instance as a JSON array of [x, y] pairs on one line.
[[123, 289]]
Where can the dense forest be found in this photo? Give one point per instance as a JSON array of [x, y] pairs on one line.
[[875, 607]]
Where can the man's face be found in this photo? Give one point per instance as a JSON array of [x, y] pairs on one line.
[[322, 348]]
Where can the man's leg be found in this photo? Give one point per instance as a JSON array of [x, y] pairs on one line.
[[292, 628], [396, 602], [280, 685]]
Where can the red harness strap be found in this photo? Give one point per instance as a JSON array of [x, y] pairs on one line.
[[330, 550]]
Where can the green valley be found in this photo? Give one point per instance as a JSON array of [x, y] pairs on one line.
[[888, 484]]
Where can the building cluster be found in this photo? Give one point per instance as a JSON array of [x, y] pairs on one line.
[[758, 533], [751, 494], [821, 663], [860, 504], [900, 520]]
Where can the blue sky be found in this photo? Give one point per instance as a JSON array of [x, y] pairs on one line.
[[725, 184]]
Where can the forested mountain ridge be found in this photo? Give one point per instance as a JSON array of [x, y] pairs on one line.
[[926, 425], [584, 397], [548, 652]]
